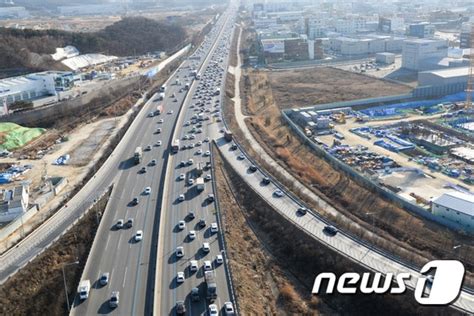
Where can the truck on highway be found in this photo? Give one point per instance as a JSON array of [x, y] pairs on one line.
[[83, 289], [227, 135], [199, 169], [211, 293], [200, 184], [137, 156], [175, 146], [159, 109]]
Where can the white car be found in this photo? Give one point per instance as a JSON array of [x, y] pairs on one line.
[[139, 235], [278, 193], [193, 266], [208, 177], [158, 143], [181, 225], [147, 191], [207, 265], [207, 153], [180, 252], [206, 139], [182, 176], [180, 277], [181, 197], [229, 308], [213, 311], [161, 121], [170, 112], [192, 235], [214, 228], [190, 161], [199, 152], [206, 247], [219, 259], [190, 181], [185, 137]]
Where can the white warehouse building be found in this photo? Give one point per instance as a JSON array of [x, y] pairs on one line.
[[457, 207], [423, 54], [28, 87]]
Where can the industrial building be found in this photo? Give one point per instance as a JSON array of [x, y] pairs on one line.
[[421, 30], [423, 54], [385, 58], [364, 45], [13, 203], [446, 76], [34, 86], [457, 207], [292, 49], [391, 24]]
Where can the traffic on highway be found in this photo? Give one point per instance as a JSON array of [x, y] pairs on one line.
[[163, 187]]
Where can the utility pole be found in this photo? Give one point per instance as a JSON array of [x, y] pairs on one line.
[[65, 283]]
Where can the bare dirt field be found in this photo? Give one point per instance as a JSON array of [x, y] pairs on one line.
[[406, 235], [38, 289], [305, 87]]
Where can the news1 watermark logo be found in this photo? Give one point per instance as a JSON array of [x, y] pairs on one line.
[[440, 288]]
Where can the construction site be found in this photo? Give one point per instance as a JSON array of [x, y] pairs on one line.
[[416, 149]]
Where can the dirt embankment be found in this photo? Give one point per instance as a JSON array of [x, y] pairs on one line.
[[404, 234], [38, 289], [274, 263]]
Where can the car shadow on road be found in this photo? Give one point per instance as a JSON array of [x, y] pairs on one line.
[[173, 258], [126, 164], [104, 308], [174, 284]]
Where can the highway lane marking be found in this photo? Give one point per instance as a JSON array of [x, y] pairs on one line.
[[107, 242], [124, 277]]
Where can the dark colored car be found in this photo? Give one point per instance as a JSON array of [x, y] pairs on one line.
[[330, 230], [180, 308]]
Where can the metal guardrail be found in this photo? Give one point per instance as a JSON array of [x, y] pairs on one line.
[[222, 237]]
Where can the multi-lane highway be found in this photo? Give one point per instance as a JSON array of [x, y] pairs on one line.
[[182, 196], [131, 264]]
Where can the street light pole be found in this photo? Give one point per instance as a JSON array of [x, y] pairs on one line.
[[65, 284]]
